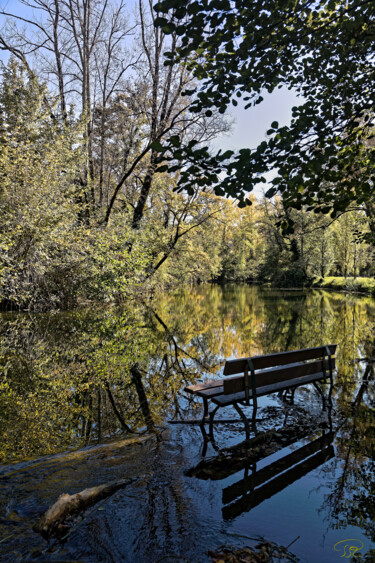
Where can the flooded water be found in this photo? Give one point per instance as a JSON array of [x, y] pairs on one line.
[[85, 399]]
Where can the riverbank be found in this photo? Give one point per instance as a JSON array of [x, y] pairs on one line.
[[360, 285]]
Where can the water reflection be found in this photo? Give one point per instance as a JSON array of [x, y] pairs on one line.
[[257, 485], [69, 379], [85, 377]]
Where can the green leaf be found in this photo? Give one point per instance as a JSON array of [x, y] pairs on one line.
[[157, 146], [227, 154], [159, 21], [162, 168], [175, 141], [168, 29]]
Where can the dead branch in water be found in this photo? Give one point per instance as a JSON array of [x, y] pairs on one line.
[[53, 522]]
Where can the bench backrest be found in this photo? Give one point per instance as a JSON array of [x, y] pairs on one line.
[[281, 366]]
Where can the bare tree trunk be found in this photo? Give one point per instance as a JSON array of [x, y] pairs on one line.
[[59, 67], [145, 190]]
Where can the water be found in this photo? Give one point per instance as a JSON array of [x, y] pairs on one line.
[[84, 400]]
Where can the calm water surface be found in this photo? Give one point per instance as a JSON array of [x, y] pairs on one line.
[[84, 400]]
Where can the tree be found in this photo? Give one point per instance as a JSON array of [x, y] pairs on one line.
[[79, 48], [155, 97], [324, 50], [48, 256], [241, 241], [125, 104], [38, 192]]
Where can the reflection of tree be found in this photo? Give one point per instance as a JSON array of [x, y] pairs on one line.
[[74, 378], [71, 360], [351, 501]]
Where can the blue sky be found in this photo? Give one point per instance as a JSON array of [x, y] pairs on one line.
[[250, 126]]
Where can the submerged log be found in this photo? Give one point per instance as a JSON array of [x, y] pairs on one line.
[[53, 522]]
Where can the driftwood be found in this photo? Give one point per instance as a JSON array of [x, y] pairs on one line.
[[53, 523]]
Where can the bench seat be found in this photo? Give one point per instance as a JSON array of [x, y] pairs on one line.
[[205, 385]]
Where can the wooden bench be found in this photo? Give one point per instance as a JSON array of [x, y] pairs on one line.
[[264, 375]]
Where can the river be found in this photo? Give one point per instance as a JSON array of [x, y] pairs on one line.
[[86, 396]]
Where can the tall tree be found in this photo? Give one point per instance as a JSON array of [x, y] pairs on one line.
[[80, 47], [155, 98]]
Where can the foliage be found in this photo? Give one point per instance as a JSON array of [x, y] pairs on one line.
[[50, 257], [316, 247], [323, 50], [242, 244], [67, 236]]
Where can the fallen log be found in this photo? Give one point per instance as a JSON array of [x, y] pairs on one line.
[[53, 523]]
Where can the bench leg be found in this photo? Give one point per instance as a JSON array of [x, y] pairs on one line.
[[317, 387], [246, 420], [242, 415], [206, 440], [205, 410], [330, 391], [211, 423], [287, 395]]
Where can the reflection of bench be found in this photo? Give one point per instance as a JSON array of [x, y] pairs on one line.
[[265, 483], [258, 485], [263, 375]]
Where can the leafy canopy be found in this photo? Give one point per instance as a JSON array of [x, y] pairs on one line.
[[324, 50]]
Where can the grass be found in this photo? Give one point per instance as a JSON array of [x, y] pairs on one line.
[[362, 285]]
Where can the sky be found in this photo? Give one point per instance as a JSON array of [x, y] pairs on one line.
[[250, 126]]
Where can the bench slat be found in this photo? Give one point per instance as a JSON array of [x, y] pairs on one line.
[[224, 400], [212, 392], [205, 385], [233, 367], [275, 375]]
